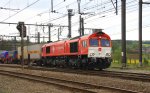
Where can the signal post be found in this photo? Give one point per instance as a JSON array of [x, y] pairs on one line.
[[22, 29]]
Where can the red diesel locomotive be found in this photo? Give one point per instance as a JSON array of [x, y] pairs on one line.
[[91, 51]]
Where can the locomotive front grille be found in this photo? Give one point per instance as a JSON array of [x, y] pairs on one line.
[[99, 52]]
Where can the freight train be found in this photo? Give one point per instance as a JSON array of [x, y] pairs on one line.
[[89, 51]]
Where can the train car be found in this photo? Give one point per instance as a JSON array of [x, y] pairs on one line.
[[32, 52], [25, 54], [4, 56], [1, 61], [13, 56], [90, 51]]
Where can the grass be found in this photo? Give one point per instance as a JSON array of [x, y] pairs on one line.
[[146, 45], [133, 65]]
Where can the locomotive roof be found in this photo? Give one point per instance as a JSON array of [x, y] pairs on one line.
[[75, 37], [100, 32]]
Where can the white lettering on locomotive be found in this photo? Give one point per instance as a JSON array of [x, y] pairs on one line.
[[94, 52]]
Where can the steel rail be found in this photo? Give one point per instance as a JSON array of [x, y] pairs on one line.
[[117, 74], [128, 75], [73, 85], [123, 75]]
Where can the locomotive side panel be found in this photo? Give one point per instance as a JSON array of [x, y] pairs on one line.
[[59, 48], [83, 47], [54, 49]]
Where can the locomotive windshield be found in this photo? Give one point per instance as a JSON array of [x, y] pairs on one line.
[[94, 42], [105, 43]]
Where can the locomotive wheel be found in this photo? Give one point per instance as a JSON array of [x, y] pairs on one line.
[[91, 66]]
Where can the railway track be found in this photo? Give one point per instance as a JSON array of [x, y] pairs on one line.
[[127, 75], [67, 84], [115, 74], [123, 75]]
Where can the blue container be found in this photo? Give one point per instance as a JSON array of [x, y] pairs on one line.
[[4, 54]]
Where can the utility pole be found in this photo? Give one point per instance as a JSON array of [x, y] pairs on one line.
[[43, 39], [69, 22], [28, 40], [22, 46], [82, 26], [15, 42], [58, 34], [52, 6], [38, 37], [79, 12], [116, 7], [49, 31], [123, 28], [140, 30]]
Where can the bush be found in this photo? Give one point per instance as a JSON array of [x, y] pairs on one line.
[[145, 61]]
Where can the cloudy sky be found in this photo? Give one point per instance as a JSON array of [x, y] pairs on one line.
[[97, 14]]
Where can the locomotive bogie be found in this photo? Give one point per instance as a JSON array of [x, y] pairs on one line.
[[100, 63]]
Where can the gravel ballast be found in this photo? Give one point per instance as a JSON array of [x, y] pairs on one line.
[[15, 85], [114, 82]]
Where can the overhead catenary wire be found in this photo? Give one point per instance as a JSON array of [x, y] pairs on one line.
[[48, 11], [57, 12], [60, 17], [7, 3], [130, 10], [105, 11], [61, 8], [20, 10], [134, 29], [98, 12], [33, 24]]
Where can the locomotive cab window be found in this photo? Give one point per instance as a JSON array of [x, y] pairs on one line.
[[105, 43], [84, 43], [47, 50], [94, 42]]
